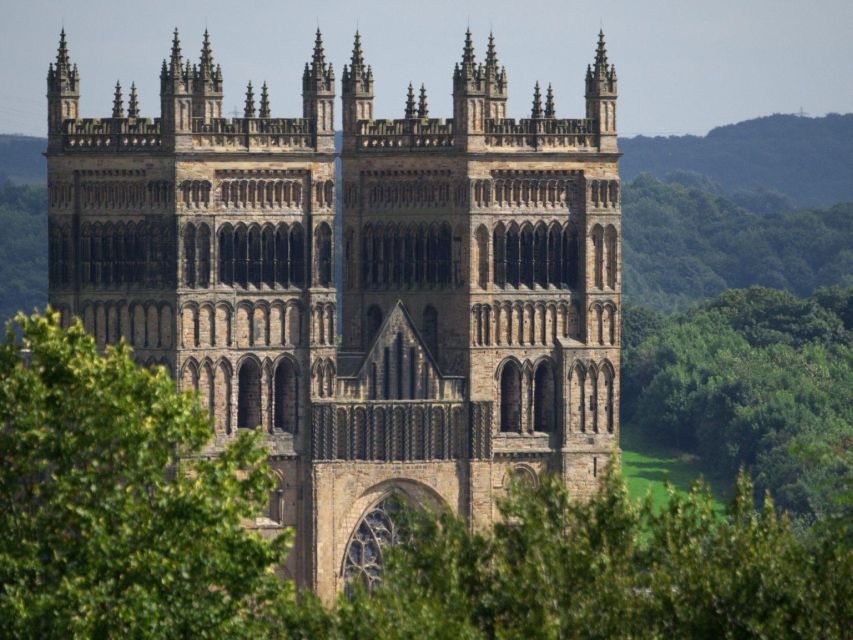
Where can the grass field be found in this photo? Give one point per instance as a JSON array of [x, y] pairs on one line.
[[648, 465]]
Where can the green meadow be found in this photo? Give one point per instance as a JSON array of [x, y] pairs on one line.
[[647, 466]]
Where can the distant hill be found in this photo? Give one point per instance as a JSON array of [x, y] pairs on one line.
[[21, 159], [683, 243], [809, 160]]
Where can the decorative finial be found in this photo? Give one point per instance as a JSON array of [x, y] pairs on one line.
[[176, 51], [249, 108], [133, 102], [550, 111], [206, 64], [537, 102], [491, 54], [265, 102], [601, 53], [468, 50], [423, 111], [410, 103], [118, 105]]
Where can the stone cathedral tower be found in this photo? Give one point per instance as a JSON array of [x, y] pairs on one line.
[[481, 284]]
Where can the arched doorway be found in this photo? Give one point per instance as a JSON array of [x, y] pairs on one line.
[[511, 397], [544, 398], [249, 395]]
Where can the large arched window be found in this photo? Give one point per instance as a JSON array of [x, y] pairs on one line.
[[324, 255], [249, 395], [482, 238], [203, 273], [511, 397], [376, 531], [499, 245], [281, 256], [254, 265], [241, 257], [430, 326], [374, 321], [268, 256], [286, 397], [544, 398], [297, 255], [189, 256]]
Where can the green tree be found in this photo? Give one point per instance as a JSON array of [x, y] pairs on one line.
[[555, 567], [112, 522]]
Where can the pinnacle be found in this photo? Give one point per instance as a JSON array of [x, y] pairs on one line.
[[133, 102], [537, 102], [206, 54], [176, 61], [601, 52], [118, 105], [410, 103], [265, 102], [550, 111], [423, 111], [249, 109], [357, 54], [468, 50], [62, 58], [491, 54]]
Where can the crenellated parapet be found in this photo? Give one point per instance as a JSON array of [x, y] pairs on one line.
[[405, 134], [190, 119], [111, 134], [479, 122], [268, 134]]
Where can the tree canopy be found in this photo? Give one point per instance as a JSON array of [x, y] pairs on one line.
[[113, 524], [756, 378]]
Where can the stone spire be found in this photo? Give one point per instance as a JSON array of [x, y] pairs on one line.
[[356, 78], [318, 76], [356, 93], [249, 109], [62, 76], [537, 102], [468, 51], [550, 111], [265, 102], [118, 103], [601, 52], [63, 93], [410, 103], [491, 56], [423, 109], [133, 102], [63, 60], [357, 60], [176, 60], [601, 78], [319, 57], [205, 67]]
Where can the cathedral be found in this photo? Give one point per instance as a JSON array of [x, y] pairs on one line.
[[435, 318]]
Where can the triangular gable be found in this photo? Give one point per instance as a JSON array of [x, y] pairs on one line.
[[398, 320]]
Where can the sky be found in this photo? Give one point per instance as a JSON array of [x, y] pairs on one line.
[[684, 66]]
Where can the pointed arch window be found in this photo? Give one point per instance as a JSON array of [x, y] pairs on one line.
[[376, 532]]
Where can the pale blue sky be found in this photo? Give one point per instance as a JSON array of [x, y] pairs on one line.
[[684, 66]]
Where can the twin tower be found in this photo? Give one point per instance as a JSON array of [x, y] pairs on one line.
[[457, 328]]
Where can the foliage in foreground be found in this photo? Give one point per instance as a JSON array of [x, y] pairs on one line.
[[101, 536], [556, 568]]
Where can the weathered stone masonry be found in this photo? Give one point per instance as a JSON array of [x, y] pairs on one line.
[[481, 284]]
